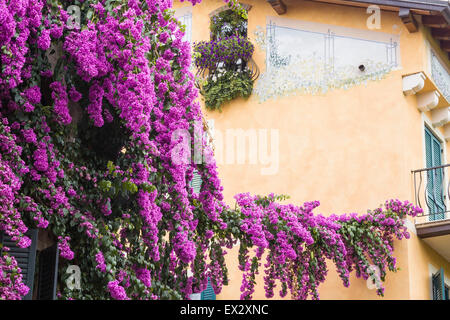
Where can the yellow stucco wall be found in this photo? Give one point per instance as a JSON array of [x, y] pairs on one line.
[[350, 149]]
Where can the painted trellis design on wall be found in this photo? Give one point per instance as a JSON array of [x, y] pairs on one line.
[[314, 62], [440, 75]]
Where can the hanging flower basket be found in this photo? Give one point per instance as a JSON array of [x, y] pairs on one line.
[[226, 69], [227, 51]]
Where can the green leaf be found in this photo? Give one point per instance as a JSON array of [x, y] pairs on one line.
[[111, 166]]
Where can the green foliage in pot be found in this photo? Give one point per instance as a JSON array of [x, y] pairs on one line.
[[224, 86]]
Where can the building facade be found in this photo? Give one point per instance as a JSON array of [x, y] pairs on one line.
[[350, 107]]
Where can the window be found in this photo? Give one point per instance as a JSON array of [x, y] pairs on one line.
[[25, 257], [39, 269], [184, 15], [196, 182], [434, 189], [48, 273], [224, 64], [227, 24], [440, 75], [208, 293], [440, 290]]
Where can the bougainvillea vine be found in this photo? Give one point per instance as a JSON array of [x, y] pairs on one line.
[[87, 119]]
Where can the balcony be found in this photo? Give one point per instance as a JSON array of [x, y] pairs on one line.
[[250, 65], [432, 194]]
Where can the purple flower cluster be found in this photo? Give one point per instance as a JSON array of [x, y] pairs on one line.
[[144, 275], [100, 262], [44, 40], [19, 20], [11, 167], [33, 94], [184, 248], [30, 207], [87, 52], [117, 292], [11, 285], [59, 95], [74, 95], [7, 24], [227, 50], [64, 248], [40, 157], [29, 135]]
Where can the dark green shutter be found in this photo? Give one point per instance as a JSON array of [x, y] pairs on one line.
[[208, 293], [435, 192], [25, 257], [48, 273], [438, 285], [196, 182]]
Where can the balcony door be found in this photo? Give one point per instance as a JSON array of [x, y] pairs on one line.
[[435, 177]]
